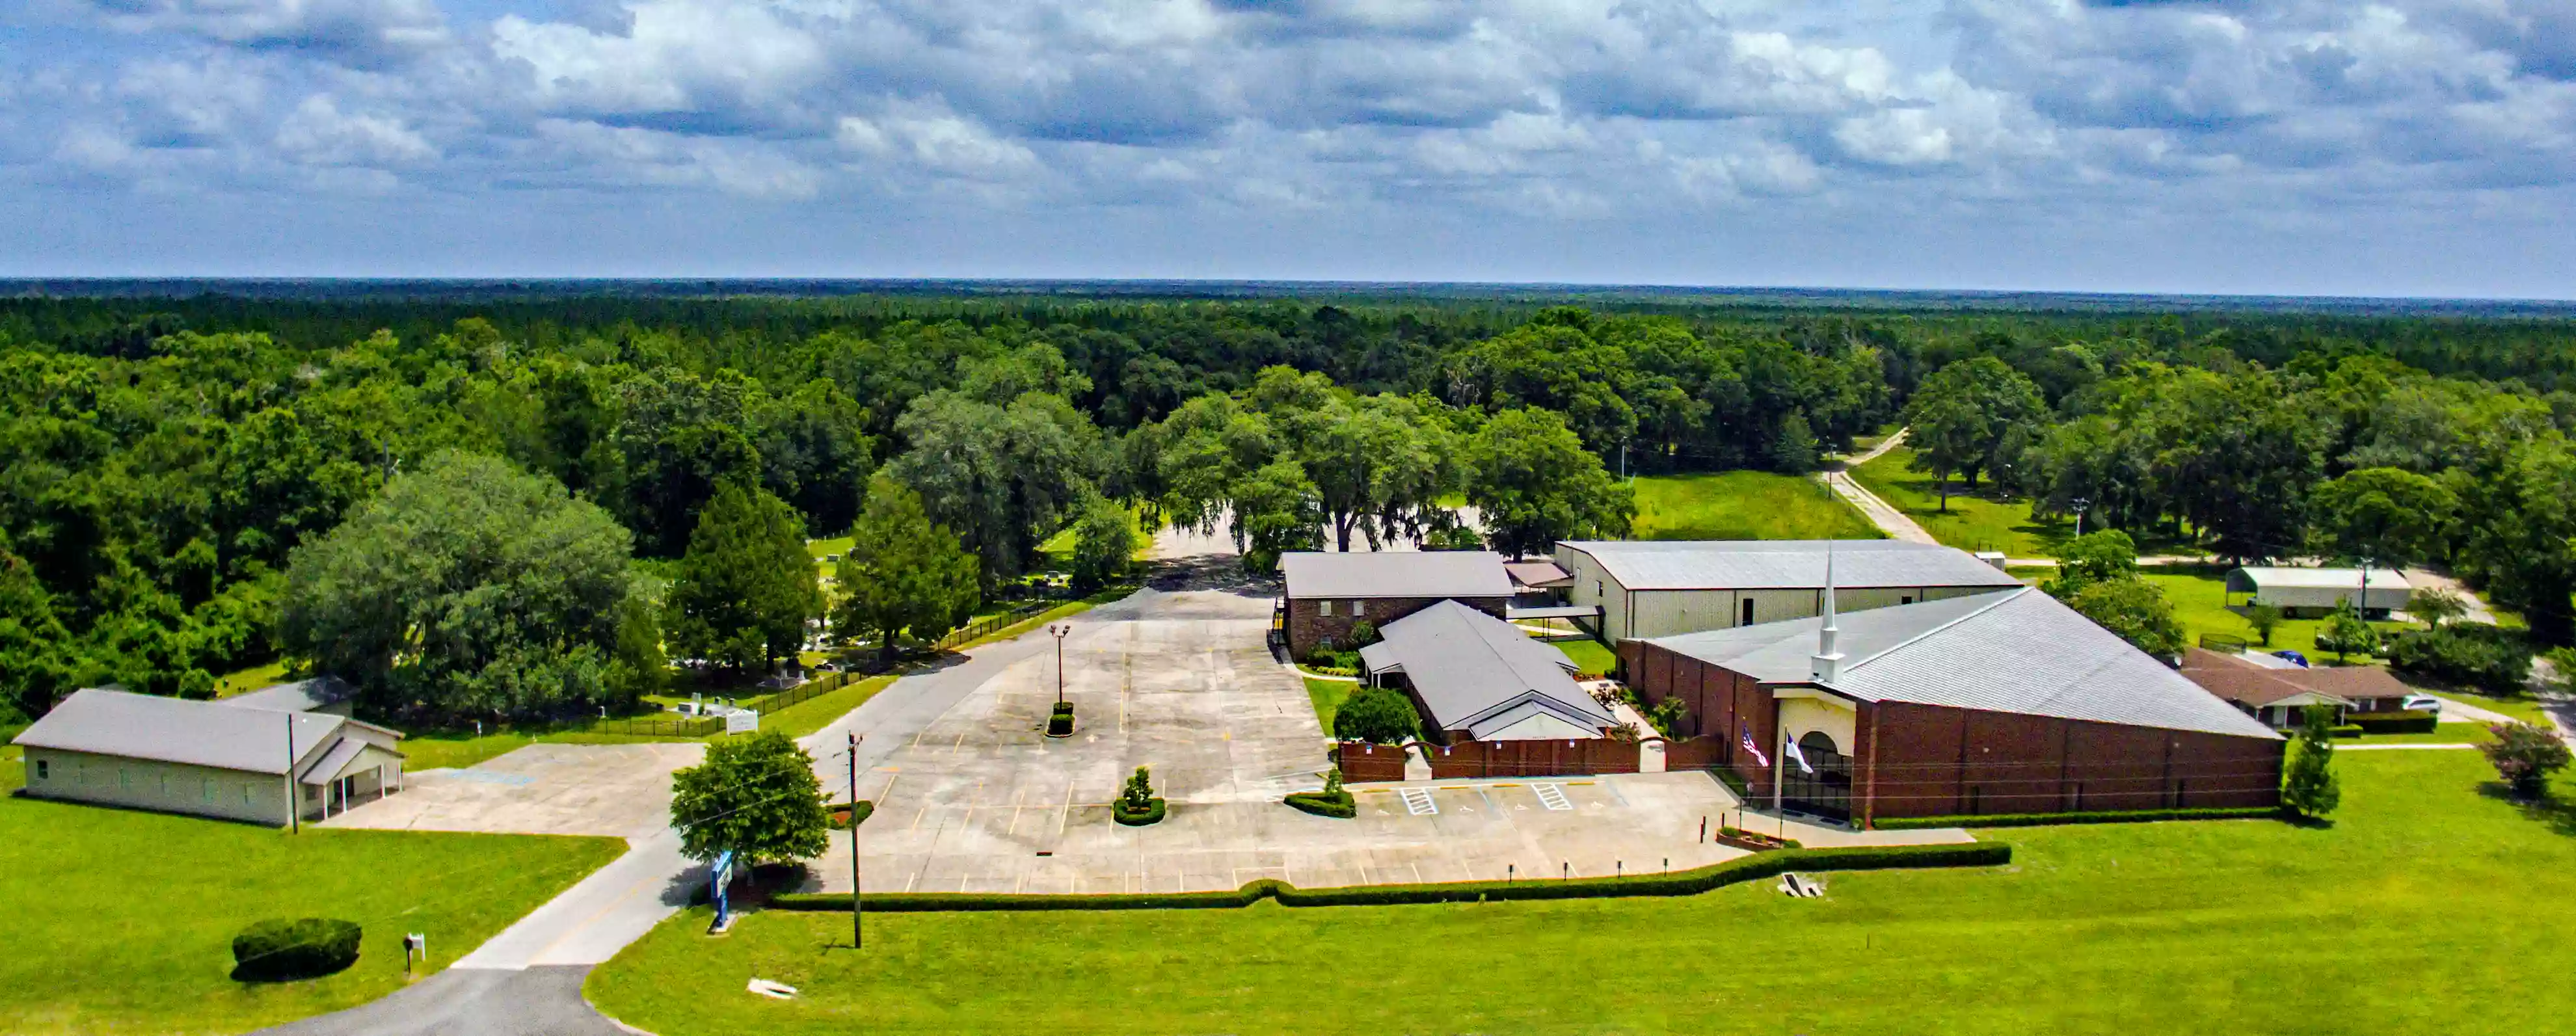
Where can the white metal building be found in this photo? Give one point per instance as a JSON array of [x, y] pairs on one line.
[[2303, 592], [1658, 588], [208, 758]]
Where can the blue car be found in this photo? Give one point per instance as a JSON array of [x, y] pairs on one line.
[[2293, 657]]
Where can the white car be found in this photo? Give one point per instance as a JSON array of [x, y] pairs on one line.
[[2422, 703]]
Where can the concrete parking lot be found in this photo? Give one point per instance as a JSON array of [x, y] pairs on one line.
[[1183, 682], [617, 790]]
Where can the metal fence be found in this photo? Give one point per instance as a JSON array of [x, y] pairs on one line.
[[986, 626], [703, 726]]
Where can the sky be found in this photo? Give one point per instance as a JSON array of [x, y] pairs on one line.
[[2311, 147]]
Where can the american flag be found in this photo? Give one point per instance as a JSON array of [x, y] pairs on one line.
[[1749, 746]]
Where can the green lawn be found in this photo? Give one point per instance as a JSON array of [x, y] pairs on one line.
[[2524, 709], [250, 679], [1588, 655], [1328, 696], [2428, 902], [836, 545], [1971, 522], [443, 749], [118, 921], [2199, 597], [1744, 505]]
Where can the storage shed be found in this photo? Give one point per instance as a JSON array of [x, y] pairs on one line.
[[2311, 592]]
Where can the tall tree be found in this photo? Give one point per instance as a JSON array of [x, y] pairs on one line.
[[1104, 544], [2391, 517], [1002, 477], [2136, 610], [742, 594], [1276, 510], [2519, 534], [1533, 483], [467, 588], [902, 572], [1966, 410]]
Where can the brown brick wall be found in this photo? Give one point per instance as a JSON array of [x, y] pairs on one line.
[[1362, 762], [1548, 757], [1307, 626], [1925, 760]]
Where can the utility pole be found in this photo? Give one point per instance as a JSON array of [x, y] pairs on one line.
[[294, 809], [2081, 505], [856, 931]]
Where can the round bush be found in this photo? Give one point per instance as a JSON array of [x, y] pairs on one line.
[[1379, 714], [283, 951]]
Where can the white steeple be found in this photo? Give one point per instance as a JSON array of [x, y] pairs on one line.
[[1827, 663]]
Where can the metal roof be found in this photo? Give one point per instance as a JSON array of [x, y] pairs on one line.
[[1438, 573], [2319, 578], [176, 730], [298, 696], [2013, 651], [1477, 672], [1785, 564]]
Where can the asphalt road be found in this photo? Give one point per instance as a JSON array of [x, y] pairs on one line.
[[543, 1001]]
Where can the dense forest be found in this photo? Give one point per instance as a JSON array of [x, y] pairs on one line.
[[179, 472]]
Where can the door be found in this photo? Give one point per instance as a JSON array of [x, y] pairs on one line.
[[1824, 793]]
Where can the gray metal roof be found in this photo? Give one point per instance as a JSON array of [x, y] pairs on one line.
[[2012, 651], [175, 730], [2317, 578], [297, 696], [1437, 573], [1472, 669], [1785, 564]]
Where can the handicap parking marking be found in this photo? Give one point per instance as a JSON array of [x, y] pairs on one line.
[[1552, 797], [1418, 802]]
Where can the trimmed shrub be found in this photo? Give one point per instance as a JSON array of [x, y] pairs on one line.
[[1133, 817], [1060, 721], [844, 816], [2402, 722], [1340, 805], [1377, 714], [2490, 659], [2346, 730], [2104, 817], [284, 951], [1676, 883]]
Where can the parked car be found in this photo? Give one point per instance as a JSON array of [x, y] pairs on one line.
[[2291, 657], [2422, 703]]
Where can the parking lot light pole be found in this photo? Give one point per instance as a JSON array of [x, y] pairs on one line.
[[1059, 630], [857, 934]]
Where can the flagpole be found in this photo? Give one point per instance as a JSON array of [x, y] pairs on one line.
[[1779, 774]]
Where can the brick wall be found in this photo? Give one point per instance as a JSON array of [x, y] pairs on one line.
[[1547, 757], [1926, 760], [1362, 762], [1307, 625]]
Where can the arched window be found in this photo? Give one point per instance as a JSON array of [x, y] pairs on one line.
[[1826, 792]]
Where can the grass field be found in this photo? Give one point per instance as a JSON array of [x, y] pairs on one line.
[[1588, 655], [250, 679], [1970, 522], [1744, 505], [2199, 598], [118, 921], [442, 749], [2429, 901], [1328, 696]]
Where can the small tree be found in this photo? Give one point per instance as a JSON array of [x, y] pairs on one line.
[[2525, 754], [2436, 605], [1376, 714], [2264, 618], [1138, 793], [1795, 450], [2309, 787], [2345, 633], [1363, 633], [2136, 610], [756, 796], [2093, 558]]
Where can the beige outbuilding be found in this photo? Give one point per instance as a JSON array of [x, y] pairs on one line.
[[216, 759]]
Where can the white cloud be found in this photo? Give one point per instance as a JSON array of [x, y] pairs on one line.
[[318, 133]]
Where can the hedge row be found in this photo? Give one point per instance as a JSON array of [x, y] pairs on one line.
[[1677, 883], [2049, 819], [1340, 805], [283, 951], [2403, 722]]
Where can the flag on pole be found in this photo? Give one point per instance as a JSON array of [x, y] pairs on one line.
[[1749, 746], [1790, 747]]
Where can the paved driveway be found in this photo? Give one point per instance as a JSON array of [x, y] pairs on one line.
[[617, 790]]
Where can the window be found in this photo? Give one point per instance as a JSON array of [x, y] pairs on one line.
[[44, 769], [1327, 608], [1359, 608]]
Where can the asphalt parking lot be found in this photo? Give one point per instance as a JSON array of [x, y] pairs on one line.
[[617, 790]]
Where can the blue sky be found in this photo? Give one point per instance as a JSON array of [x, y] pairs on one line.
[[2409, 147]]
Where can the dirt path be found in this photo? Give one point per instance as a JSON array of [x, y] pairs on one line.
[[1879, 512]]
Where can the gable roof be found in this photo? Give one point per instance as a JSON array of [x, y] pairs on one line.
[[2317, 578], [1785, 564], [1480, 674], [2012, 651], [1434, 573], [2252, 683], [176, 730]]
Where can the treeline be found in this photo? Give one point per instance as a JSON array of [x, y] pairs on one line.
[[166, 459]]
